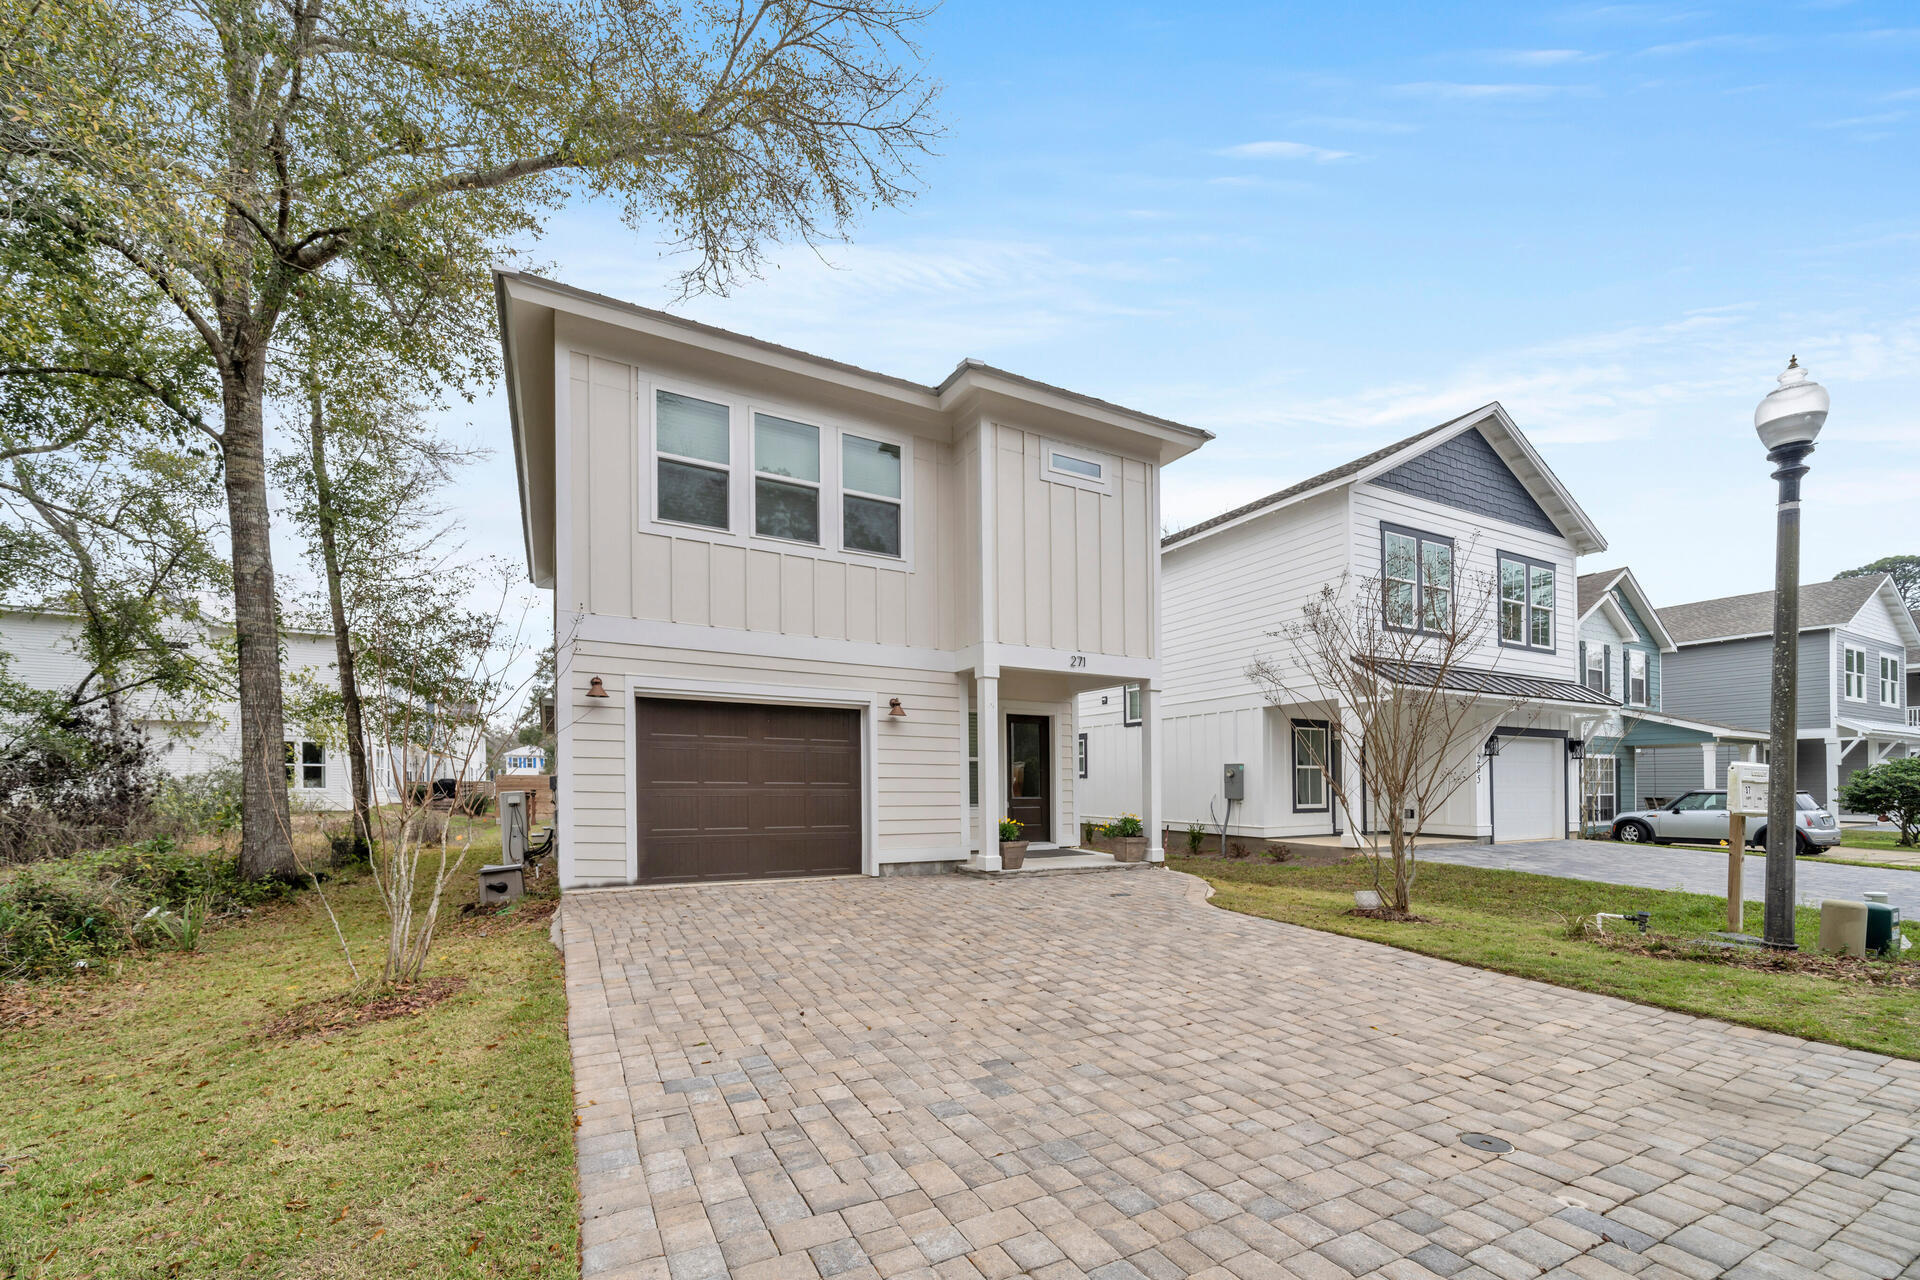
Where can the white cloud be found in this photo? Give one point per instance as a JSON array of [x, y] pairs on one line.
[[1455, 91], [1280, 150]]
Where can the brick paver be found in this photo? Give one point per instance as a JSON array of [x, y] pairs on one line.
[[1103, 1076]]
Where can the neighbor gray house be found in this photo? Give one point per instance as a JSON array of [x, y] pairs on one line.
[[1857, 643]]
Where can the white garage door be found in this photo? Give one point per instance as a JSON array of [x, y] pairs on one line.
[[1526, 790]]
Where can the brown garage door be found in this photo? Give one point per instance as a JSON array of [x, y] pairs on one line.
[[732, 790]]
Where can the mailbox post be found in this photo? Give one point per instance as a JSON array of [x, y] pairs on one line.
[[1746, 794]]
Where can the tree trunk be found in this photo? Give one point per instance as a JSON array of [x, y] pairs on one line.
[[266, 833], [342, 643], [1402, 879]]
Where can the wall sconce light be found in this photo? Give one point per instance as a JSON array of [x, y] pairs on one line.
[[1493, 746], [895, 709], [596, 688], [1577, 748]]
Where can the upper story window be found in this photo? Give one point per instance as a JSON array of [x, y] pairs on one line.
[[1130, 704], [1637, 692], [1856, 661], [1526, 602], [870, 495], [693, 468], [1889, 680], [1071, 464], [786, 479], [1596, 673], [1416, 580]]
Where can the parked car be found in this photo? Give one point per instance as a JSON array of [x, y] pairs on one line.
[[1701, 817]]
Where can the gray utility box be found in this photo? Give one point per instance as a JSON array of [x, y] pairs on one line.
[[513, 827], [1236, 782], [504, 883]]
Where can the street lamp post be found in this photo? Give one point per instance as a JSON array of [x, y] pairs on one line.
[[1788, 421]]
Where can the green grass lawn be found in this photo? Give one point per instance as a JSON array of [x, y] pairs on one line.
[[1514, 922], [149, 1130]]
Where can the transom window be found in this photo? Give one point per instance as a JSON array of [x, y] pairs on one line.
[[1416, 571], [693, 449], [1637, 693], [1310, 760], [870, 495], [306, 765], [786, 479], [1077, 466], [1889, 680], [1526, 603], [1856, 674], [1069, 464]]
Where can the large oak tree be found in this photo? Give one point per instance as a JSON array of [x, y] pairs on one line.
[[227, 154]]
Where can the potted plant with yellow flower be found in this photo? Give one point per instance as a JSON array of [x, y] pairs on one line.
[[1013, 846], [1128, 838]]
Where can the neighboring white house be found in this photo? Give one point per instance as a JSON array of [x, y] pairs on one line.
[[520, 760], [811, 619], [1469, 500], [42, 652]]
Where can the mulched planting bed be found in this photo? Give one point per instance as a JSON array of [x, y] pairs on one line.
[[1869, 970], [340, 1013]]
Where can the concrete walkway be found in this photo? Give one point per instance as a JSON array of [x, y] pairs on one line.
[[1695, 870], [1103, 1076]]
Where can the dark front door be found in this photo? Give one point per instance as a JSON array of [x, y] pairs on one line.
[[733, 791], [1029, 793]]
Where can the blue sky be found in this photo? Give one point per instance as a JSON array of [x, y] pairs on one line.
[[1314, 229]]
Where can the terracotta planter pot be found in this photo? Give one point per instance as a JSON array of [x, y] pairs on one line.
[[1013, 854], [1129, 848]]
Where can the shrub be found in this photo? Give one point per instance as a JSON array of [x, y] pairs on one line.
[[73, 782], [1891, 789], [473, 803], [54, 921], [1238, 850], [348, 848], [1279, 853], [205, 803], [1127, 824], [1195, 838]]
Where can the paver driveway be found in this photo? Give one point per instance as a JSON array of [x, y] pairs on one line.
[[1103, 1075], [1695, 870]]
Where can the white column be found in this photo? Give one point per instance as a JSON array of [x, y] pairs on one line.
[[993, 770], [1154, 815], [1834, 749], [1707, 754]]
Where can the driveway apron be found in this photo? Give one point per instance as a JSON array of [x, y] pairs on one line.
[[1105, 1076]]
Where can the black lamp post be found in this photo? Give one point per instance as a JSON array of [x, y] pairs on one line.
[[1788, 421]]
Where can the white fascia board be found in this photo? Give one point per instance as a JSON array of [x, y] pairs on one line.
[[1648, 614], [1258, 513], [1887, 596]]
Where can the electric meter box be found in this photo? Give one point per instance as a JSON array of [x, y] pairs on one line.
[[1236, 782]]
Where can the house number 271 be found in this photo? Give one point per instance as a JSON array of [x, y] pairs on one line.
[[1077, 660]]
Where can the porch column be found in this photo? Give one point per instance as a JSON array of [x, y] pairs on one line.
[[993, 770], [1832, 799], [1153, 817], [1708, 753]]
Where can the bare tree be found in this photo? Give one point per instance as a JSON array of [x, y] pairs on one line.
[[1402, 693]]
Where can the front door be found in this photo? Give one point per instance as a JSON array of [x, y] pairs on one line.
[[1028, 789]]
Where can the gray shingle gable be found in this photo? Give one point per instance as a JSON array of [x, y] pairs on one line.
[[1466, 473], [1822, 605]]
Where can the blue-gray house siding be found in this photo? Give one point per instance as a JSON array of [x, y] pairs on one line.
[[1728, 681], [1874, 710], [1466, 473]]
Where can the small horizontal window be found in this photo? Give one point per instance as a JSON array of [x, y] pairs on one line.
[[1078, 466]]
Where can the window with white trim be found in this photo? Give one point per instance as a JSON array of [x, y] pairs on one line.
[[1602, 797], [1068, 464], [306, 765], [973, 758], [1130, 704], [1081, 751], [1416, 575], [1637, 691], [1526, 603], [786, 479], [1311, 755], [1889, 680], [1596, 667], [1856, 669], [869, 495], [693, 448]]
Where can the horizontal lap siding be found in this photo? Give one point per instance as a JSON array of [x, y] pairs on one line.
[[919, 760], [1729, 682]]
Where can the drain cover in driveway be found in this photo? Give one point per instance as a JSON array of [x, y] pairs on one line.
[[1486, 1142]]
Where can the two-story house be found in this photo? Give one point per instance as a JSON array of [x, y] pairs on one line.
[[1856, 636], [811, 619], [1636, 755], [1466, 506]]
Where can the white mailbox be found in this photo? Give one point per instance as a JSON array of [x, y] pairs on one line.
[[1746, 788]]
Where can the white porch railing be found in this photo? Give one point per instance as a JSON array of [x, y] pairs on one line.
[[1913, 717]]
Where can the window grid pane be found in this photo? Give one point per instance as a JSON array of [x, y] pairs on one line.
[[782, 510], [692, 495], [691, 428], [1076, 466], [870, 466], [785, 448], [868, 524]]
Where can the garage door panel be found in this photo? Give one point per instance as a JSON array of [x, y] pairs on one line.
[[1527, 802], [738, 791]]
